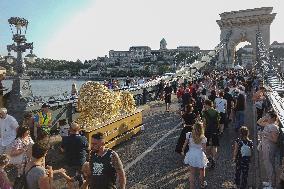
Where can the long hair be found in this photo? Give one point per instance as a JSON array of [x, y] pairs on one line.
[[198, 132], [21, 131]]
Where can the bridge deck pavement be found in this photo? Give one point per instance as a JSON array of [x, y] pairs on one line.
[[161, 167]]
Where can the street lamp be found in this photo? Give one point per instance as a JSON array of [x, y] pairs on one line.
[[21, 87], [20, 46]]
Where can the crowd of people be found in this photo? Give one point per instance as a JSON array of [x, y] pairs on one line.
[[209, 106], [25, 146], [215, 102], [89, 166]]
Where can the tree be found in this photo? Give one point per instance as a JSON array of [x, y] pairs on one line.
[[162, 69]]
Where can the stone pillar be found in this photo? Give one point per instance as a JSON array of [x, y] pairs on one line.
[[244, 24], [17, 98]]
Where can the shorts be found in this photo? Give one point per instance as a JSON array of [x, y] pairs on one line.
[[212, 139], [222, 118]]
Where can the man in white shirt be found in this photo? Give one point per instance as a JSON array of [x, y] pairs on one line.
[[8, 128], [221, 107]]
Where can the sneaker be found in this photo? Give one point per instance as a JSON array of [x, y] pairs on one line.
[[266, 184], [203, 185]]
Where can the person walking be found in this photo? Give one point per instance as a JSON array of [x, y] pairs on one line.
[[160, 92], [242, 153], [240, 106], [195, 157], [186, 99], [230, 105], [175, 85], [168, 96], [189, 119], [258, 99], [179, 93], [211, 121], [105, 166], [221, 107], [8, 128], [268, 146]]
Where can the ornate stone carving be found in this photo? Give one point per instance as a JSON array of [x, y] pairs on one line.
[[244, 24]]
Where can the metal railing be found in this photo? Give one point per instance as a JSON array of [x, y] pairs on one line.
[[274, 82]]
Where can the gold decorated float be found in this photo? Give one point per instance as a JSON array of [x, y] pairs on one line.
[[110, 112]]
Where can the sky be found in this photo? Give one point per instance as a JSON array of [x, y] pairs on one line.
[[86, 29]]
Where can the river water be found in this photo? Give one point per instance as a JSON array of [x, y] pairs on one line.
[[46, 88]]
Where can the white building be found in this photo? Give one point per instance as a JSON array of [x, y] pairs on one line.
[[275, 44], [93, 74], [34, 70], [188, 49], [83, 71]]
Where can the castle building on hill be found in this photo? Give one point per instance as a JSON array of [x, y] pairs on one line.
[[138, 53]]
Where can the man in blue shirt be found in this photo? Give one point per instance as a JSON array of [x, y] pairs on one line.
[[75, 147]]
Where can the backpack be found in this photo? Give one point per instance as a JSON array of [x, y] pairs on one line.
[[245, 150], [21, 182]]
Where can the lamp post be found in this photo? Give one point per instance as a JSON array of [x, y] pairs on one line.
[[21, 88]]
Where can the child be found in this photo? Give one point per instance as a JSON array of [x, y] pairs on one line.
[[242, 154], [4, 180]]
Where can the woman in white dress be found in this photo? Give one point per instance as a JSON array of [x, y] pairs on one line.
[[195, 157]]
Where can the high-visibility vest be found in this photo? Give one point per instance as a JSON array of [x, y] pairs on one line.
[[44, 119]]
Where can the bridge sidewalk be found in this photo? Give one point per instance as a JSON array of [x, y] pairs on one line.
[[161, 167]]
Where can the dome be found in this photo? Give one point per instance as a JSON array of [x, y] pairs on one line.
[[163, 41]]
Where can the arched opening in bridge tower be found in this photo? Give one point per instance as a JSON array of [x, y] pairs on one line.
[[243, 54]]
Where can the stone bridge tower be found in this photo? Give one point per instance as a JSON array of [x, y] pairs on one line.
[[243, 26]]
